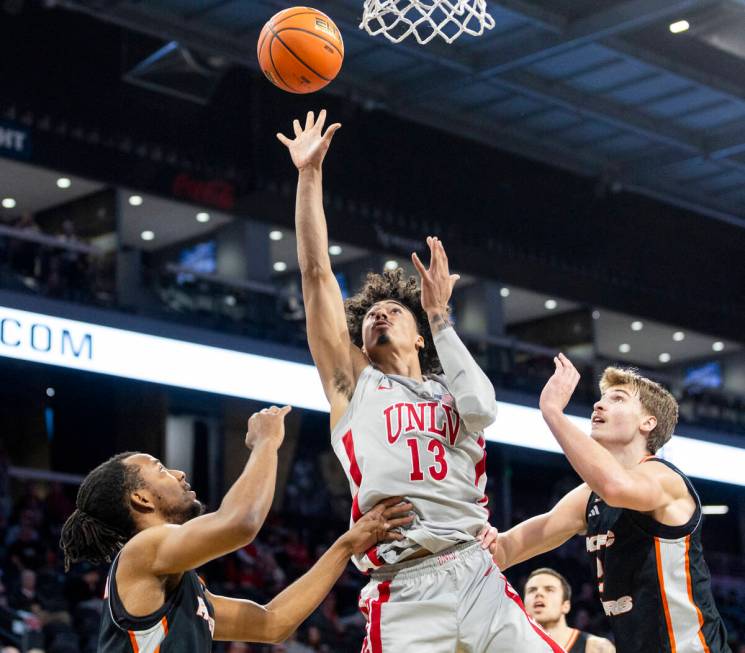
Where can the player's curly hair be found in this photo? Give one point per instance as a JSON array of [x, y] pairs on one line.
[[393, 284]]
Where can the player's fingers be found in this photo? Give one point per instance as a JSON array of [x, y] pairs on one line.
[[331, 131], [321, 120], [309, 119], [284, 410], [419, 266], [454, 278], [392, 536], [296, 127], [391, 501], [283, 139], [401, 521], [398, 509]]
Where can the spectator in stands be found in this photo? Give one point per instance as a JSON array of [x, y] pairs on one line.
[[25, 597]]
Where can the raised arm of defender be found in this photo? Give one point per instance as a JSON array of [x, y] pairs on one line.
[[339, 362]]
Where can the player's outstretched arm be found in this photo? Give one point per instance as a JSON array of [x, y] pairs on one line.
[[240, 620], [645, 488], [544, 532], [473, 392], [339, 362], [172, 549]]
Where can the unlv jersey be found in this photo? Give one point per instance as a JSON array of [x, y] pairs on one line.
[[653, 581], [403, 438], [186, 622]]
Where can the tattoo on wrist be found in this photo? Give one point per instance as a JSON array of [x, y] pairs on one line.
[[439, 322]]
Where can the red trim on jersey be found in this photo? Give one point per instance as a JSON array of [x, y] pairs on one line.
[[372, 556], [354, 469], [663, 592], [481, 465], [356, 512], [384, 594], [513, 595], [690, 597]]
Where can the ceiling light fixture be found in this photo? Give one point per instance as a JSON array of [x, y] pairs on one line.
[[596, 315], [664, 357], [679, 26], [9, 203], [637, 325], [279, 266], [203, 217], [550, 304], [276, 234], [335, 250], [64, 182], [679, 336], [135, 200], [718, 346], [147, 235], [624, 348], [504, 292], [391, 265]]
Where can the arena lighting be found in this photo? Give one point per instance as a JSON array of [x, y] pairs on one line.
[[637, 325], [715, 510], [551, 304], [280, 266], [679, 26], [9, 203], [203, 217], [624, 348], [90, 347], [147, 235], [391, 265], [718, 346], [135, 200], [679, 336], [504, 292], [335, 250], [64, 182], [275, 235], [664, 357]]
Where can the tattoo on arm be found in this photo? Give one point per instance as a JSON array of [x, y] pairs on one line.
[[438, 322], [343, 383]]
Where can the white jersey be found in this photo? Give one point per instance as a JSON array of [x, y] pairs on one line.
[[403, 438]]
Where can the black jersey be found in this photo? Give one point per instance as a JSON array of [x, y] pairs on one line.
[[653, 581], [577, 642], [186, 621]]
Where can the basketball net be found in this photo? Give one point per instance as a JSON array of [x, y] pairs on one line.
[[425, 19]]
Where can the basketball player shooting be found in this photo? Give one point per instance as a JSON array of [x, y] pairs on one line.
[[400, 427], [145, 517], [640, 514]]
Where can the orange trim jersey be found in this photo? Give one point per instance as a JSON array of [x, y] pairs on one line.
[[186, 621], [653, 581]]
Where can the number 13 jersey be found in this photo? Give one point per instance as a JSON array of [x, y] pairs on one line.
[[403, 438]]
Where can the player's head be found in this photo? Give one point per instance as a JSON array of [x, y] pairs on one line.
[[386, 318], [632, 406], [119, 498], [548, 597]]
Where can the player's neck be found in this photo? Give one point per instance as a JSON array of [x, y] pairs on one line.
[[629, 455], [558, 631], [407, 366]]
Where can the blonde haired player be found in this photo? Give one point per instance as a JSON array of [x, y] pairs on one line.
[[640, 514], [400, 428], [548, 599]]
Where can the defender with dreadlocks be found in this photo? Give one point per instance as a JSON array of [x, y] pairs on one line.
[[408, 409], [146, 518]]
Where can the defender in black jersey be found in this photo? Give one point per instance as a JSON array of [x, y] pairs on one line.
[[641, 516], [548, 600], [146, 518]]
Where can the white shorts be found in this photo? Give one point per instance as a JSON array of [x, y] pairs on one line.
[[454, 602]]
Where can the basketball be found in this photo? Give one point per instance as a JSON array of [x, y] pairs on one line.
[[300, 50]]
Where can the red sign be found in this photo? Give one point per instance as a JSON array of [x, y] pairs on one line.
[[216, 192]]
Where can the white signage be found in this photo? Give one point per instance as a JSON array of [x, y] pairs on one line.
[[132, 355]]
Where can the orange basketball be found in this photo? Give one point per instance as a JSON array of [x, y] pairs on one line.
[[300, 50]]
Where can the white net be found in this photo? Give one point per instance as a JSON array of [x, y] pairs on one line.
[[425, 19]]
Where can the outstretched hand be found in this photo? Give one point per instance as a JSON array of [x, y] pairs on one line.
[[437, 282], [379, 524], [560, 387], [310, 144]]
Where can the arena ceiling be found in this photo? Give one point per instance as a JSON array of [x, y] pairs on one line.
[[599, 88]]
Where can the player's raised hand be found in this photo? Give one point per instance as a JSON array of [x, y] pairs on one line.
[[437, 282], [267, 425], [311, 143], [560, 387], [379, 525]]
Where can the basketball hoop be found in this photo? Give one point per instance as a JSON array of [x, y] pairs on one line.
[[425, 19]]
